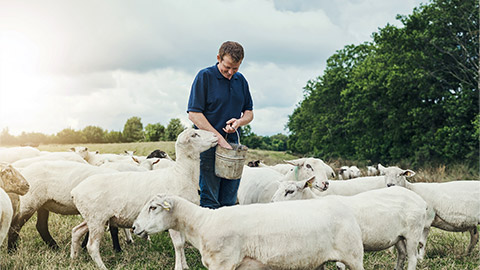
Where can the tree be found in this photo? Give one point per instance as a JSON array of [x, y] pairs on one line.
[[70, 135], [133, 130], [6, 138], [94, 134], [114, 137], [174, 128], [154, 132]]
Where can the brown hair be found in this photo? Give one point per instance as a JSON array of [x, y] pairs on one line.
[[232, 48]]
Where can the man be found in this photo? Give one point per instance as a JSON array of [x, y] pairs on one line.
[[220, 102]]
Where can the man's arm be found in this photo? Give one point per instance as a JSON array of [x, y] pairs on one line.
[[201, 122], [233, 124]]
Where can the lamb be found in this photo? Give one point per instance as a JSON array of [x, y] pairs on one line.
[[290, 165], [400, 217], [456, 203], [259, 236], [11, 182], [259, 184], [109, 197], [51, 183], [346, 172], [12, 154]]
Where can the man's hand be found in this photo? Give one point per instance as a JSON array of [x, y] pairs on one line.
[[231, 126], [223, 143]]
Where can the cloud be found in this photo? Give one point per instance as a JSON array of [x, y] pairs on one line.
[[100, 63]]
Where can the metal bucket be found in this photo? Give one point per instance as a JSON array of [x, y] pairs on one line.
[[229, 162]]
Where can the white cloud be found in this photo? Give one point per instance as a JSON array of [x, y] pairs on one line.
[[100, 63]]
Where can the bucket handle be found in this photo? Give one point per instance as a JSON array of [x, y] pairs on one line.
[[236, 130]]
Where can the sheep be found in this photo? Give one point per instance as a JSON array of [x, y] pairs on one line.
[[381, 169], [125, 166], [256, 163], [259, 184], [159, 154], [109, 198], [259, 235], [11, 182], [49, 156], [285, 168], [12, 154], [351, 187], [51, 183], [346, 172], [85, 154], [387, 217], [456, 203], [372, 171]]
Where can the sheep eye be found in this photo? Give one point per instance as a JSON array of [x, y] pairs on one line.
[[152, 208], [309, 167], [195, 135], [288, 192]]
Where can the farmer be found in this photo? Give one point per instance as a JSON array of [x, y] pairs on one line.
[[220, 102]]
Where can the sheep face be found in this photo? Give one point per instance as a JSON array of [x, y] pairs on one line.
[[310, 167], [198, 140], [12, 180], [154, 217], [395, 176], [293, 190]]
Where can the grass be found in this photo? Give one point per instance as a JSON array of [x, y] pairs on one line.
[[445, 250]]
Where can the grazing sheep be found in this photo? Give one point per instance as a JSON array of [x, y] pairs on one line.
[[387, 217], [11, 182], [456, 203], [51, 183], [260, 236], [12, 154], [109, 198]]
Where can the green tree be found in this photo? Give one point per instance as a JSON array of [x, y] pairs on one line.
[[94, 134], [155, 132], [174, 128], [133, 130], [70, 135], [114, 137]]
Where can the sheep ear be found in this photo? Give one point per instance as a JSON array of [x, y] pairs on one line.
[[296, 162], [135, 159], [166, 205], [97, 152], [156, 161], [309, 182], [408, 173], [72, 149]]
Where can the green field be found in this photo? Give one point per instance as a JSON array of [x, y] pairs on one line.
[[445, 250]]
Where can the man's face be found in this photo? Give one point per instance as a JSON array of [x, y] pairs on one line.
[[227, 66]]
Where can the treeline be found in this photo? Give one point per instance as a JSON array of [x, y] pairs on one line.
[[410, 95], [133, 131]]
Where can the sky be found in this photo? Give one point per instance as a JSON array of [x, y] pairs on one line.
[[72, 64]]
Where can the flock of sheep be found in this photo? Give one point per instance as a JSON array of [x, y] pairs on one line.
[[290, 216]]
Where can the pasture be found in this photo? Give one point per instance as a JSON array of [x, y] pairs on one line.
[[445, 250]]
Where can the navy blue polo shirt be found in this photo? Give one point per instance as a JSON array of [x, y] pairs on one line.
[[219, 98]]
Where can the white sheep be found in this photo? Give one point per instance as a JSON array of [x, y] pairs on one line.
[[13, 154], [259, 184], [118, 198], [287, 235], [372, 171], [387, 217], [50, 186], [11, 182], [381, 169], [351, 187], [456, 203], [48, 156], [289, 165], [348, 172]]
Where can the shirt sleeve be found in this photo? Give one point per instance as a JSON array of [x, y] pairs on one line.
[[197, 99], [248, 99]]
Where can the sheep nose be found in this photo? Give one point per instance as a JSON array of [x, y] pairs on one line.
[[390, 185], [133, 227]]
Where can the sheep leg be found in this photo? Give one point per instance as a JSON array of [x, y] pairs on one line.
[[114, 234], [93, 245], [412, 252], [16, 225], [473, 238], [42, 228], [423, 243], [340, 266], [77, 233], [401, 248], [178, 240]]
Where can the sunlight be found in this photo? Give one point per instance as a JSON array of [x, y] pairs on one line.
[[19, 88]]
